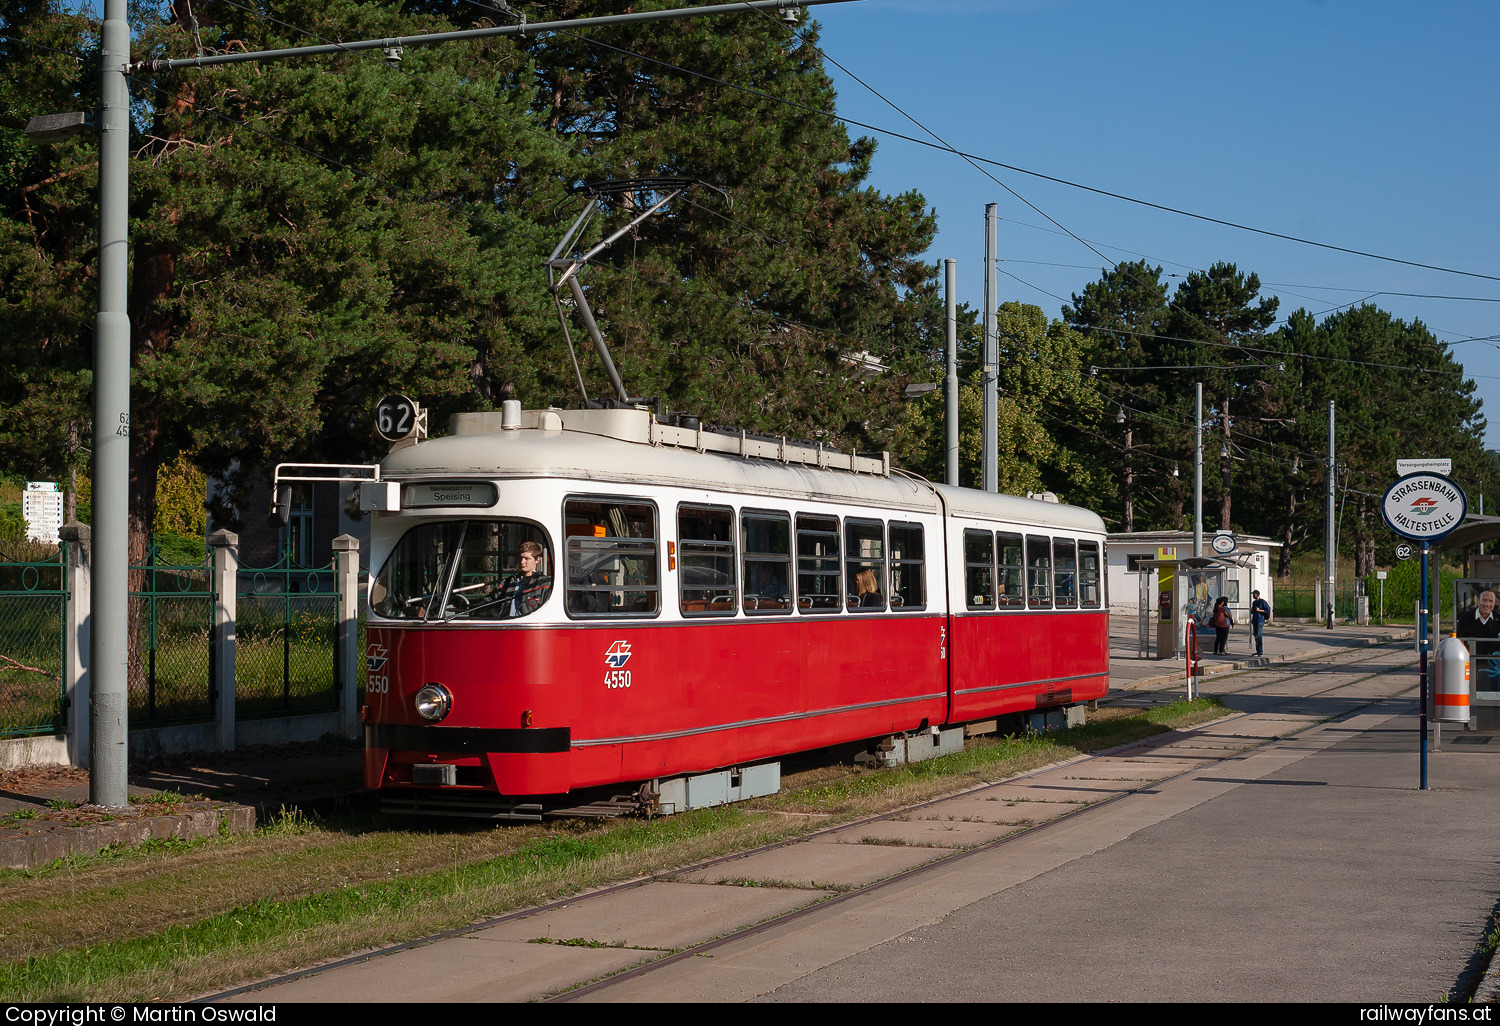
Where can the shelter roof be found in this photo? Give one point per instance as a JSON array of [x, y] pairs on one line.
[[1472, 531]]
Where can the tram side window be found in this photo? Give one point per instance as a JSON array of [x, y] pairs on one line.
[[1065, 572], [767, 551], [464, 570], [979, 569], [908, 566], [706, 535], [864, 564], [1088, 575], [818, 564], [612, 564], [1038, 572], [1012, 570]]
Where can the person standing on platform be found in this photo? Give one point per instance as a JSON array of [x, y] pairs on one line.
[[1221, 621], [1260, 615]]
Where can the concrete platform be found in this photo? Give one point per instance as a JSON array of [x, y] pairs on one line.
[[1247, 868]]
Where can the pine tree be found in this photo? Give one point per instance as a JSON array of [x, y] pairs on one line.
[[749, 307], [306, 235], [1124, 313], [310, 234]]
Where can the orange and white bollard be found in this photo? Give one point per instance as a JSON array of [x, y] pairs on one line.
[[1450, 698]]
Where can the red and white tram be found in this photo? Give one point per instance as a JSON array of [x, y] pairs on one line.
[[697, 601]]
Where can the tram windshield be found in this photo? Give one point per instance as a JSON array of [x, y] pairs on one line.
[[465, 570]]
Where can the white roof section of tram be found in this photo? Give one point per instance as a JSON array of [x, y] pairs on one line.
[[626, 448]]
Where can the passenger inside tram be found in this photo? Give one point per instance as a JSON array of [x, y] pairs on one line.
[[867, 591]]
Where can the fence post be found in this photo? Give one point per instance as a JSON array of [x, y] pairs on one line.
[[346, 632], [76, 646], [226, 573]]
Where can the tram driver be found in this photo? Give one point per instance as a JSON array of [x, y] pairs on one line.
[[523, 592]]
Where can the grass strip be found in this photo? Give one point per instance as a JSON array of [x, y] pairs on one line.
[[269, 935]]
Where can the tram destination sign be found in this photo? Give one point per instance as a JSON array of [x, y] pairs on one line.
[[1424, 507]]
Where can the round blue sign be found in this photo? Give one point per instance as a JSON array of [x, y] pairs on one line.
[[1424, 507]]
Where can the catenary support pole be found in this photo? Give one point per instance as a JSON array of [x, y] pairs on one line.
[[1198, 475], [950, 275], [990, 430], [110, 596], [1330, 538]]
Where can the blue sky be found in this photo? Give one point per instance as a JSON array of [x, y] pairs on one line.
[[1368, 125]]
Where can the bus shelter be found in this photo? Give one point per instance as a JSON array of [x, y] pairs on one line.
[[1482, 575], [1173, 592]]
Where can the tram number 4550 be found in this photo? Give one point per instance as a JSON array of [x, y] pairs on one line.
[[617, 678]]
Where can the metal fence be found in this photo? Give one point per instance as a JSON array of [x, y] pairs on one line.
[[285, 628], [33, 598], [1300, 602], [288, 652], [172, 618]]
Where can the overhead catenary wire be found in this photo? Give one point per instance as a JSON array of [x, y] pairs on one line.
[[976, 158], [574, 149], [975, 161]]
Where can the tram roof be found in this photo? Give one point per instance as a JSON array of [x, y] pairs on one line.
[[970, 502], [612, 450]]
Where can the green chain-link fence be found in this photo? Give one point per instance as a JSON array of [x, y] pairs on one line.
[[33, 595], [173, 615], [284, 640]]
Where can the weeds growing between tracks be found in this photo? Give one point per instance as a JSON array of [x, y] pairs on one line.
[[173, 920]]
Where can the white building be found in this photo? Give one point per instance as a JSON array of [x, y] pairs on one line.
[[1248, 567]]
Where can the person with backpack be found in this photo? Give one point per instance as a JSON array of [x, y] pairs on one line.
[[1221, 621], [1260, 615]]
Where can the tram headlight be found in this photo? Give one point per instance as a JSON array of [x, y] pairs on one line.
[[433, 702]]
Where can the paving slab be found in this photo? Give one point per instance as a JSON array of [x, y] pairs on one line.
[[464, 969], [1015, 809], [1125, 774], [928, 832], [663, 915], [818, 865], [533, 956]]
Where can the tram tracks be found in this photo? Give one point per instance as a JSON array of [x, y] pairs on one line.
[[1077, 768], [1264, 678], [1042, 806]]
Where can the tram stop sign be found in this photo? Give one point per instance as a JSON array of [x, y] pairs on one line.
[[1424, 507]]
